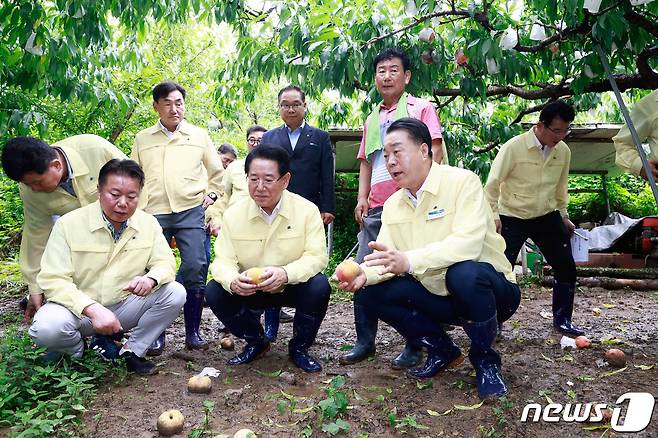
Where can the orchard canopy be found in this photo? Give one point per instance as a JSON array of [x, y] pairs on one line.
[[485, 64]]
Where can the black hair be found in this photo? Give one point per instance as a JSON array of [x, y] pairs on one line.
[[269, 152], [558, 108], [416, 129], [255, 128], [116, 166], [21, 155], [390, 53], [164, 88], [291, 88], [227, 148]]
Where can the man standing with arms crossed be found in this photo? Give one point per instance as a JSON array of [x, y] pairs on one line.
[[392, 75], [173, 154]]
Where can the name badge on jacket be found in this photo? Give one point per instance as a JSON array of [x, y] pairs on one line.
[[436, 213]]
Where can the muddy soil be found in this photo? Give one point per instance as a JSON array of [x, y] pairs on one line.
[[384, 402]]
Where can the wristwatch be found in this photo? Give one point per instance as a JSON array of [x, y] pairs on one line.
[[212, 195]]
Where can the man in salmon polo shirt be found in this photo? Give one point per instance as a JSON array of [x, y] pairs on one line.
[[392, 75]]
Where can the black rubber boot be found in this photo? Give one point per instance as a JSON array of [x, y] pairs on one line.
[[366, 331], [271, 319], [484, 358], [245, 325], [305, 329], [409, 357], [442, 353], [563, 297], [192, 311]]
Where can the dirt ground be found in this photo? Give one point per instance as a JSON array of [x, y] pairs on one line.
[[383, 402]]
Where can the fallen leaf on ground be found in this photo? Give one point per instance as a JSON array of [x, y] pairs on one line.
[[612, 373], [644, 367], [546, 314], [468, 408], [436, 414]]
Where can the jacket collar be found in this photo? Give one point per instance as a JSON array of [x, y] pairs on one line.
[[75, 161], [530, 140], [184, 128], [285, 211], [96, 221], [432, 182]]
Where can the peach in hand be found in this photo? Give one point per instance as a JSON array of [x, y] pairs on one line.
[[347, 271], [255, 275]]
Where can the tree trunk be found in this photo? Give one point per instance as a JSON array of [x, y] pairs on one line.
[[118, 129]]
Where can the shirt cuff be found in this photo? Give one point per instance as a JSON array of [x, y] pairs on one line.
[[34, 289]]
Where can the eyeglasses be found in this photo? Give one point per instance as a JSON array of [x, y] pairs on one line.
[[294, 106], [252, 141], [267, 182], [559, 132]]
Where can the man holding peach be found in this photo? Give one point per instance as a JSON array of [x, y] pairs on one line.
[[270, 252], [437, 260]]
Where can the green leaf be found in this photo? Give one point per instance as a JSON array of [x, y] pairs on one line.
[[270, 374], [281, 407]]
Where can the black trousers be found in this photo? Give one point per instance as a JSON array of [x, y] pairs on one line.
[[309, 298], [477, 293], [551, 236]]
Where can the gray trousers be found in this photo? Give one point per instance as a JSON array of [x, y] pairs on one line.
[[371, 226], [189, 229], [57, 329]]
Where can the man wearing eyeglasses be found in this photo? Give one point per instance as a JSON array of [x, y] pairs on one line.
[[527, 191], [311, 166], [270, 252], [309, 148], [234, 182]]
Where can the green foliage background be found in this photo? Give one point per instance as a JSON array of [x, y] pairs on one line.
[[69, 66]]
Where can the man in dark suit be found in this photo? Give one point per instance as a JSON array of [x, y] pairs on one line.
[[309, 148], [311, 166]]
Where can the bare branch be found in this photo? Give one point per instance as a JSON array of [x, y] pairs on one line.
[[640, 20], [487, 148], [582, 29], [642, 62], [624, 82], [525, 112], [440, 105], [452, 13]]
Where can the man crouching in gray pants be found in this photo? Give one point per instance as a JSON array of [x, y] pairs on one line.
[[108, 268]]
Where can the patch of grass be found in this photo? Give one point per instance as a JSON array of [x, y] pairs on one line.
[[38, 399], [11, 279], [529, 280]]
